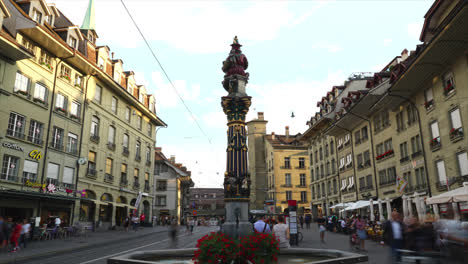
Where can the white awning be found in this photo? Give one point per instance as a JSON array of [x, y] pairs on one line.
[[343, 184], [454, 196]]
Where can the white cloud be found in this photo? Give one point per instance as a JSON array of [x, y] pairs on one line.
[[414, 30], [166, 96], [192, 26], [387, 42], [279, 100]]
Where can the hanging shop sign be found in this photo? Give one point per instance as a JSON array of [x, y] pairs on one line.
[[12, 146], [35, 154], [51, 188], [34, 184]]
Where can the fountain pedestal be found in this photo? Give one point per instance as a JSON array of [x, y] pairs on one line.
[[236, 178]]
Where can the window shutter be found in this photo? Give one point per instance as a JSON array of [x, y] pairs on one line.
[[31, 166], [52, 171], [455, 117], [68, 175], [441, 172], [435, 129], [463, 163]]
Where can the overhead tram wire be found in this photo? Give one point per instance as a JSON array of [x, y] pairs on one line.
[[164, 71]]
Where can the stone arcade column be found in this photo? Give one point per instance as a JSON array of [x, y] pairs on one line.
[[236, 178], [435, 207], [405, 208], [381, 218], [371, 207], [389, 209], [410, 207]]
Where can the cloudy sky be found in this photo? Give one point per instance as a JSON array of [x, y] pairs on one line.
[[297, 51]]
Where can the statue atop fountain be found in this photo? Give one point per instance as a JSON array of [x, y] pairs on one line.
[[236, 178]]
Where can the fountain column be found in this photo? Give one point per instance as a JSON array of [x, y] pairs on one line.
[[236, 178]]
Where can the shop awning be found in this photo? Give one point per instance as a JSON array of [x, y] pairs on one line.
[[454, 196], [340, 205], [357, 205], [35, 195]]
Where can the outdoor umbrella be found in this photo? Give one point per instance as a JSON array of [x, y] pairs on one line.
[[454, 196]]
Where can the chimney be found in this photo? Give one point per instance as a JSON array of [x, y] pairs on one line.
[[273, 135], [172, 159], [112, 55], [404, 54], [286, 131], [260, 116]]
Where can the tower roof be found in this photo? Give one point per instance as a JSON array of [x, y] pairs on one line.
[[89, 20]]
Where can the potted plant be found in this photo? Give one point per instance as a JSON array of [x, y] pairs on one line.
[[215, 248]]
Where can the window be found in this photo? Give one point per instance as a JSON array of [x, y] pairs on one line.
[[139, 122], [357, 137], [287, 179], [68, 174], [364, 135], [349, 159], [342, 163], [98, 92], [137, 151], [288, 195], [455, 119], [404, 151], [316, 156], [45, 60], [303, 196], [57, 138], [400, 121], [360, 162], [72, 42], [161, 185], [449, 85], [72, 146], [340, 142], [109, 163], [326, 150], [321, 153], [127, 114], [302, 179], [407, 177], [301, 163], [462, 159], [21, 84], [420, 176], [441, 172], [29, 46], [335, 189], [332, 148], [415, 144], [147, 181], [435, 131], [412, 114], [78, 81], [318, 191], [50, 19], [367, 158], [125, 141], [111, 135], [53, 173], [327, 168], [37, 16], [150, 130], [347, 138], [114, 105], [123, 171], [65, 72], [40, 93], [380, 149], [383, 177], [10, 168], [160, 200], [92, 163], [388, 145], [391, 174], [429, 96], [313, 192], [61, 102], [312, 174], [148, 154], [136, 174], [35, 132], [117, 76], [287, 163], [362, 183], [75, 110], [30, 170], [369, 181], [333, 164], [321, 171], [95, 126], [101, 63]]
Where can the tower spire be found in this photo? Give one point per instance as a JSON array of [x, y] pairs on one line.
[[89, 19]]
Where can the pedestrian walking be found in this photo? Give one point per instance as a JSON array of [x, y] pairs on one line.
[[15, 236], [359, 224], [191, 225], [142, 219], [321, 222], [24, 235], [135, 222], [393, 236], [3, 232], [126, 223], [173, 232], [308, 219], [281, 231], [301, 221]]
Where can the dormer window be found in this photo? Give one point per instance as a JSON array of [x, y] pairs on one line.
[[117, 77], [50, 20], [101, 63], [65, 72], [37, 16], [140, 97], [72, 42], [91, 38]]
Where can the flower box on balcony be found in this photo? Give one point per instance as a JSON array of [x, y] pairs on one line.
[[47, 65], [38, 100], [435, 143], [456, 133], [448, 89], [23, 92], [66, 77], [429, 104], [61, 110]]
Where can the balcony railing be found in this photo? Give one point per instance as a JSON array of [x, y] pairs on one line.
[[16, 134], [123, 182], [429, 105], [136, 185], [456, 134], [435, 143], [286, 185], [416, 154], [91, 173], [147, 187], [404, 159], [108, 177], [137, 158], [111, 146], [94, 138], [125, 151], [8, 177], [35, 140], [56, 146]]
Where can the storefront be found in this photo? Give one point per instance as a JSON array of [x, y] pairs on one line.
[[105, 211], [87, 206], [121, 210]]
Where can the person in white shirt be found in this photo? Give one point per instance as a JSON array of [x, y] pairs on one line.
[[261, 227], [58, 222], [281, 231], [25, 228]]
